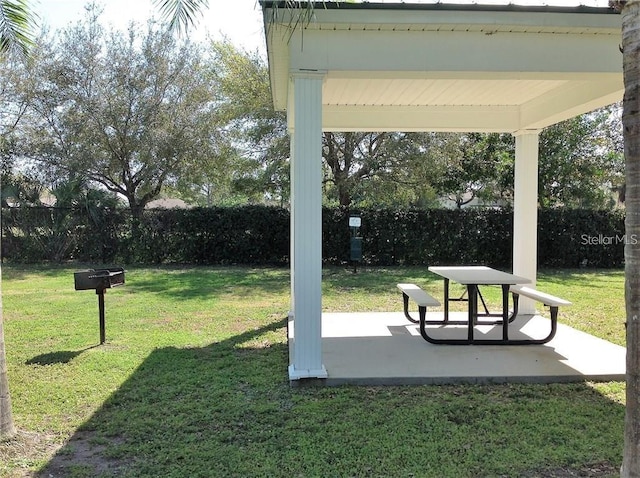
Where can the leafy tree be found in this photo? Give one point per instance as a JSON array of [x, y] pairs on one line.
[[257, 146], [367, 169], [579, 166], [473, 165], [130, 112], [408, 180], [352, 158], [464, 175], [18, 188]]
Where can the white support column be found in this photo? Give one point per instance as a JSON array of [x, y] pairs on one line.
[[525, 211], [292, 139], [306, 226]]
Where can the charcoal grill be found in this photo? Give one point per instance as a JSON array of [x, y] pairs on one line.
[[99, 280]]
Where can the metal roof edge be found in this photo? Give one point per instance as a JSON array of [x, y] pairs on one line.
[[439, 6]]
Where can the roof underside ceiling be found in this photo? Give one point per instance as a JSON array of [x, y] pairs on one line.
[[447, 68]]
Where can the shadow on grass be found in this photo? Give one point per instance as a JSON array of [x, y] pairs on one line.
[[193, 282], [62, 356], [227, 410], [180, 409]]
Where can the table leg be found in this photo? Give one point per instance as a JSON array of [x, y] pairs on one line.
[[472, 291], [446, 300], [505, 312]]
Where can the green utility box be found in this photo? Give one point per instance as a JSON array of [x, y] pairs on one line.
[[356, 249]]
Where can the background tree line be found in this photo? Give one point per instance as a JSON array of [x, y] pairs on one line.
[[141, 115]]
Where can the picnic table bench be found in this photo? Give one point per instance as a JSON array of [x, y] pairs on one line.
[[548, 300], [420, 297]]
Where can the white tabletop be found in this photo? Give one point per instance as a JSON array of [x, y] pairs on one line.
[[479, 275]]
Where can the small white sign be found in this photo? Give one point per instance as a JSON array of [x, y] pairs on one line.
[[354, 222]]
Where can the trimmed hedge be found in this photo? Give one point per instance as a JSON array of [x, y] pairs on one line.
[[581, 238], [259, 235]]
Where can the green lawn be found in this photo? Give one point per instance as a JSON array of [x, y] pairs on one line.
[[192, 382]]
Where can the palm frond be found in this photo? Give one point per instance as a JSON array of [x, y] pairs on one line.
[[17, 23], [181, 14], [302, 11]]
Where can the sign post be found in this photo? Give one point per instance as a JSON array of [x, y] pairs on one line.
[[356, 241]]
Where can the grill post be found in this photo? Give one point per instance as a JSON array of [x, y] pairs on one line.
[[100, 293]]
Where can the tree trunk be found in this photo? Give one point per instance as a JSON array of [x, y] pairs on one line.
[[137, 212], [344, 195], [7, 429], [631, 126]]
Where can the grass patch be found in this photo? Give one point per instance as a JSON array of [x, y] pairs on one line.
[[192, 382]]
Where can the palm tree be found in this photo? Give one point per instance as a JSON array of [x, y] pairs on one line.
[[16, 29], [7, 428], [630, 11]]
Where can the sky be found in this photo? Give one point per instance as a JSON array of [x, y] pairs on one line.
[[238, 20]]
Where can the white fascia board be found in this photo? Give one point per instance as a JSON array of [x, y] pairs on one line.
[[453, 51], [278, 57]]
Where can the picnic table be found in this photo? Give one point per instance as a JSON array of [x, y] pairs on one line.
[[473, 277]]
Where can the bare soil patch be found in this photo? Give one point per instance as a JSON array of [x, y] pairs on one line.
[[594, 470], [81, 455]]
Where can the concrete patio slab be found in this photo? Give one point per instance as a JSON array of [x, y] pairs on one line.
[[385, 349]]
